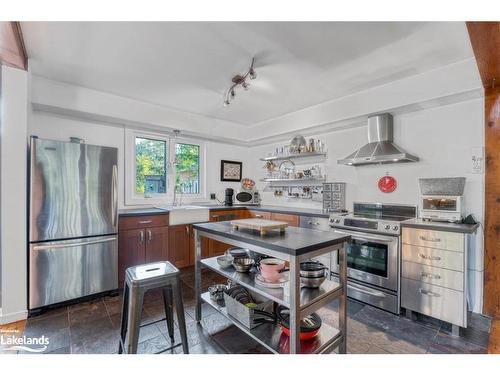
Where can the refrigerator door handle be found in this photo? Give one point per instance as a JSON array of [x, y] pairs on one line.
[[114, 192], [72, 244]]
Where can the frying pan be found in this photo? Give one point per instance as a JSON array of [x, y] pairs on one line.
[[309, 326]]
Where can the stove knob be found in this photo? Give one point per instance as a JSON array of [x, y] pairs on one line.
[[387, 226], [395, 227], [337, 221], [331, 220]]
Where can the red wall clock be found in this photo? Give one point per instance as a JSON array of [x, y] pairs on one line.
[[387, 184]]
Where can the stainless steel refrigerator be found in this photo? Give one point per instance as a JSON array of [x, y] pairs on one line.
[[73, 220]]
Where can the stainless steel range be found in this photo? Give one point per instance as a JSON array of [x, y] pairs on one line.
[[373, 256]]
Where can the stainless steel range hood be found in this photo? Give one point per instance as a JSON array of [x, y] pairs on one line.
[[380, 149]]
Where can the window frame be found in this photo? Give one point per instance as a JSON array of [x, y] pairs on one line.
[[134, 199]]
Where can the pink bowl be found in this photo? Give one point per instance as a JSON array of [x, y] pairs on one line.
[[270, 267]]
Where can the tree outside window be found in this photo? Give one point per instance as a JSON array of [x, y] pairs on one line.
[[187, 168], [150, 166]]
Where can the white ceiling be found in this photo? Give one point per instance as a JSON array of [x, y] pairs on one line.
[[189, 65]]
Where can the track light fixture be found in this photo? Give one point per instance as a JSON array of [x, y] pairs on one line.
[[239, 80]]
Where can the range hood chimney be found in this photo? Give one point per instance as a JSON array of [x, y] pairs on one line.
[[380, 148]]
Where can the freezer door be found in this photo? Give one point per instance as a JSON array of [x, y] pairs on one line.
[[64, 270], [73, 190]]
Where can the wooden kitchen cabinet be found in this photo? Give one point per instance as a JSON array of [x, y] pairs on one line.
[[156, 244], [254, 214], [141, 239], [216, 248], [131, 251], [181, 245], [292, 220]]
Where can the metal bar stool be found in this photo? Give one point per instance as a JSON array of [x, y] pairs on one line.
[[138, 280]]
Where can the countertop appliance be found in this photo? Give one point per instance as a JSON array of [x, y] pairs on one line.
[[73, 221], [442, 199], [228, 200], [442, 208], [248, 197], [380, 148], [373, 256]]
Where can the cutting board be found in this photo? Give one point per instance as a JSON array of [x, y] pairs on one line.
[[262, 225]]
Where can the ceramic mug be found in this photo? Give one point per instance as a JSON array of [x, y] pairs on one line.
[[270, 267]]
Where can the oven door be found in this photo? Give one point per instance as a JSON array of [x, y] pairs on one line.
[[372, 259]]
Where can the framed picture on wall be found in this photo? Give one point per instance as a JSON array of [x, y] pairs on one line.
[[230, 170]]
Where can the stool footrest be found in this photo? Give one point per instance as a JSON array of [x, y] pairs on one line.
[[172, 347], [156, 321]]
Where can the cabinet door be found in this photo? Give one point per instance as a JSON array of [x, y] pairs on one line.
[[216, 248], [205, 243], [131, 251], [292, 220], [156, 244], [179, 238]]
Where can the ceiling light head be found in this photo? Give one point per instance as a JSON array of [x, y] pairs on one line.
[[239, 80]]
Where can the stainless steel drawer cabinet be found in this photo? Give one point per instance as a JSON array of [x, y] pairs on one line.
[[436, 239], [433, 275], [319, 223], [441, 303], [450, 260]]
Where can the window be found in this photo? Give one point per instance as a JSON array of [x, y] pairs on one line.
[[150, 166], [187, 168], [156, 165]]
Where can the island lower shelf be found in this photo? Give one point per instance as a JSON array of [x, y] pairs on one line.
[[271, 336], [310, 299]]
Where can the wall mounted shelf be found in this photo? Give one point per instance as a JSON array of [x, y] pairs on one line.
[[308, 181], [295, 156]]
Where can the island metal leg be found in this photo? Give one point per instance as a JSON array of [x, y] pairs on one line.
[[197, 274], [343, 300], [294, 305]]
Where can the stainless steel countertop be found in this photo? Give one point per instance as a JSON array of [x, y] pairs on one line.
[[442, 226], [294, 241]]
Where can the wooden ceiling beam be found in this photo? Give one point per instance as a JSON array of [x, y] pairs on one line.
[[12, 48], [485, 39]]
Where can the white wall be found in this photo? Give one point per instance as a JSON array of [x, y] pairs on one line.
[[58, 127], [441, 137], [13, 127]]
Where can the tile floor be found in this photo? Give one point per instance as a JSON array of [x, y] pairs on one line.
[[93, 327]]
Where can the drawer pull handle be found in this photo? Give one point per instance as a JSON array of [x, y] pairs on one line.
[[259, 216], [429, 257], [145, 221], [430, 239], [430, 275], [427, 293]]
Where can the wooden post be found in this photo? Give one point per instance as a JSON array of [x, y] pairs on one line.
[[485, 39]]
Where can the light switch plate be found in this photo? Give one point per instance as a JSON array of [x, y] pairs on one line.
[[477, 159]]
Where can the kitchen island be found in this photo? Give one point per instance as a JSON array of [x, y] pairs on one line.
[[295, 245]]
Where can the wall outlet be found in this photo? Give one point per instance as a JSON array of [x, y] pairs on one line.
[[212, 196]]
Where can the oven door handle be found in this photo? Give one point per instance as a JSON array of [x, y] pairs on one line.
[[355, 236], [366, 291]]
